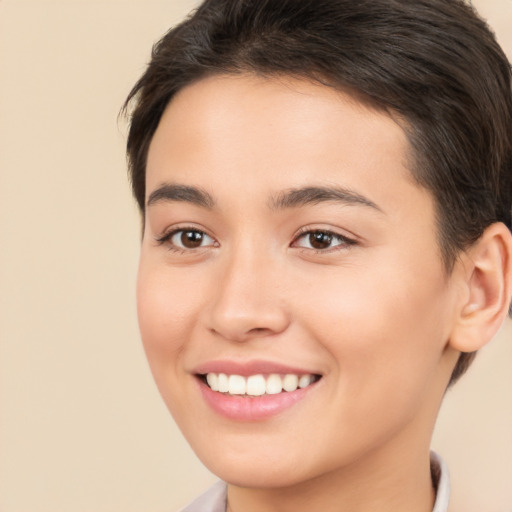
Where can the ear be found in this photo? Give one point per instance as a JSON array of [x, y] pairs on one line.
[[488, 289]]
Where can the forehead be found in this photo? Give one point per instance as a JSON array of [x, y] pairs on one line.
[[237, 135]]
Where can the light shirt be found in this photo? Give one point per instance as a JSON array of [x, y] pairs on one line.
[[215, 498]]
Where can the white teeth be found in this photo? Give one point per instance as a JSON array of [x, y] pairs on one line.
[[223, 383], [237, 385], [290, 382], [257, 385], [274, 384], [213, 381], [305, 381]]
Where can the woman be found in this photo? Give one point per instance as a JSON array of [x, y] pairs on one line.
[[326, 193]]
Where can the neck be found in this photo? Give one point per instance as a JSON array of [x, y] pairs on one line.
[[403, 484]]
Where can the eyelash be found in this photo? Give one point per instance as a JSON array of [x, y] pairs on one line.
[[167, 237], [344, 241]]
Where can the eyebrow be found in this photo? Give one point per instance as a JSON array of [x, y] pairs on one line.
[[292, 198], [297, 197], [181, 193]]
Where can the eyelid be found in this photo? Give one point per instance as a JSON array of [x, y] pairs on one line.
[[346, 240], [167, 235]]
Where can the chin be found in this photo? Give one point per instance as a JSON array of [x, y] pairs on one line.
[[257, 474], [246, 460]]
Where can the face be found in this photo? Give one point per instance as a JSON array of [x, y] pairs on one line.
[[286, 244]]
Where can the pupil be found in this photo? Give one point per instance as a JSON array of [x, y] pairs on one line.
[[320, 240], [191, 239]]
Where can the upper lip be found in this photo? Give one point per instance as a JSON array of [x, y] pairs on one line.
[[247, 368]]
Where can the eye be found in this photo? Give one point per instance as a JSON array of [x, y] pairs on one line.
[[187, 239], [321, 240]]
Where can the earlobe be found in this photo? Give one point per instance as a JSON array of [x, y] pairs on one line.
[[488, 281]]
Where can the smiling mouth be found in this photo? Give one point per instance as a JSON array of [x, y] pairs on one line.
[[257, 385]]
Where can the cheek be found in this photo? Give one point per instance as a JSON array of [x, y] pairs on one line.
[[165, 309], [383, 330], [385, 337]]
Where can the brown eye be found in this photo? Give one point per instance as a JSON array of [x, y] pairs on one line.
[[190, 239], [319, 240], [322, 240]]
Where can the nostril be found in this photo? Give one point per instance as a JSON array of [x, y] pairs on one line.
[[242, 335], [240, 321]]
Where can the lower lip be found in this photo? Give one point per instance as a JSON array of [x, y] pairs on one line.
[[244, 408]]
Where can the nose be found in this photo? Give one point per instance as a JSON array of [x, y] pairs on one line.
[[248, 299]]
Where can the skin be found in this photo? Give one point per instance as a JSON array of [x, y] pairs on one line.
[[374, 316]]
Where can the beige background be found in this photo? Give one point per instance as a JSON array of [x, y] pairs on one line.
[[81, 425]]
